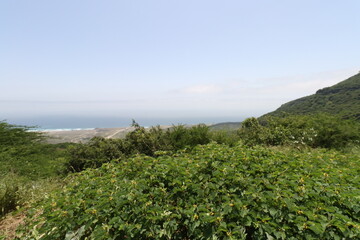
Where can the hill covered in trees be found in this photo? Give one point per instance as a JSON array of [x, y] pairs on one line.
[[342, 99]]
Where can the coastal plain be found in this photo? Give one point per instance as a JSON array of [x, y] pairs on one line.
[[82, 136]]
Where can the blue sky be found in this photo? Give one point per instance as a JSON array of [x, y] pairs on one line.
[[160, 58]]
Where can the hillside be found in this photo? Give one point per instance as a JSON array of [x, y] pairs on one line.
[[225, 126], [342, 98]]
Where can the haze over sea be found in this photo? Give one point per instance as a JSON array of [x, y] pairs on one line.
[[74, 123], [100, 64]]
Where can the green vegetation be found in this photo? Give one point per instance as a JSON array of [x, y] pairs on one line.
[[212, 192], [142, 141], [290, 177], [22, 152], [25, 161], [316, 131], [226, 126], [14, 135], [342, 99]]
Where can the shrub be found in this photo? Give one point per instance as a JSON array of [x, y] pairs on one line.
[[15, 135], [213, 192], [140, 141], [251, 132], [32, 161], [143, 141], [229, 138], [23, 153], [25, 160], [94, 153], [321, 130], [180, 137]]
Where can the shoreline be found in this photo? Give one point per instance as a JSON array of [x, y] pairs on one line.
[[84, 135], [62, 129]]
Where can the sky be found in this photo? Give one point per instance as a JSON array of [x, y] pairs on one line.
[[171, 58]]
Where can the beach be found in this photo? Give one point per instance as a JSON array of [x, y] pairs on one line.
[[84, 135]]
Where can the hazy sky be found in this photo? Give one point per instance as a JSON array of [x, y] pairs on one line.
[[154, 58]]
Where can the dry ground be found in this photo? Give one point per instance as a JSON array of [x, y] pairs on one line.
[[77, 136], [9, 224]]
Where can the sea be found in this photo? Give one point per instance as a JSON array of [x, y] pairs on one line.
[[69, 123]]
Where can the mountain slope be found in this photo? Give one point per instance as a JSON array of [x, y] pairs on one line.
[[342, 99], [226, 126]]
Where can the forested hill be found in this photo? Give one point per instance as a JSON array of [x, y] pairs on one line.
[[342, 98]]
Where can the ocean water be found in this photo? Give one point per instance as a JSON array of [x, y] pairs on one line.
[[77, 123]]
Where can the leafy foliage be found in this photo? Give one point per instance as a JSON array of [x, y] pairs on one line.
[[15, 135], [140, 141], [213, 192], [24, 159], [229, 138], [94, 153], [321, 130]]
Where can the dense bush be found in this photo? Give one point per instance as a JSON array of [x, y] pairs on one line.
[[213, 192], [321, 130], [15, 135], [94, 153], [229, 138], [20, 175], [140, 141], [24, 159], [33, 161], [22, 152], [252, 133]]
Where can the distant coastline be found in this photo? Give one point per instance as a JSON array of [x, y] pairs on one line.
[[60, 129], [77, 135], [70, 123]]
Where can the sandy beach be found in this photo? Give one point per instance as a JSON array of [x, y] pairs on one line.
[[77, 136]]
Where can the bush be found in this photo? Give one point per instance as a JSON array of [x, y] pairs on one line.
[[15, 135], [180, 137], [25, 161], [213, 192], [33, 161], [252, 133], [321, 130], [23, 153], [143, 141], [229, 138], [94, 153], [140, 141]]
